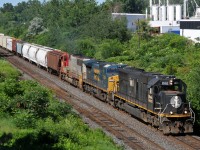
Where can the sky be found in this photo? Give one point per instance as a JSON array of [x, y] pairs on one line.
[[14, 2]]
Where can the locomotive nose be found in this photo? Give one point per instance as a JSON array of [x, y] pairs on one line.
[[172, 102]]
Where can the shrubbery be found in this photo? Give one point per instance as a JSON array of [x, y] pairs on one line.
[[7, 71]]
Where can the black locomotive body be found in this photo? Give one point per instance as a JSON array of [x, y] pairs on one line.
[[156, 99]]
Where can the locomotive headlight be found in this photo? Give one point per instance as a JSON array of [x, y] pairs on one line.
[[171, 112], [176, 101], [185, 112], [171, 82]]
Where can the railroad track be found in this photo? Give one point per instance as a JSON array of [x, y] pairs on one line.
[[130, 138], [188, 141]]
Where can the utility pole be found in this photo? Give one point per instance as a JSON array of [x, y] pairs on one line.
[[185, 9], [138, 31]]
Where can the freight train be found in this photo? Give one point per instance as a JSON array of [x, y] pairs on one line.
[[157, 99]]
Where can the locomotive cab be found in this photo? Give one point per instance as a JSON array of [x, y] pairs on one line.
[[170, 93]]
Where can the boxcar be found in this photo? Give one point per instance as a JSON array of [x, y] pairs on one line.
[[9, 43], [14, 45], [4, 44], [1, 39]]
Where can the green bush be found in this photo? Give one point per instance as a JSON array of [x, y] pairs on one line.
[[109, 48], [11, 87], [7, 71], [24, 119], [87, 47], [57, 110], [4, 103]]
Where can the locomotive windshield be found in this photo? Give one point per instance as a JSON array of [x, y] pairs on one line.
[[112, 70], [170, 88], [172, 85]]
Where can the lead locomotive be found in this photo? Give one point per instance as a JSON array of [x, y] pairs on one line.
[[156, 99]]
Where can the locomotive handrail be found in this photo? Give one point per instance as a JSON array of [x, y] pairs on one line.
[[159, 114], [192, 113], [158, 108]]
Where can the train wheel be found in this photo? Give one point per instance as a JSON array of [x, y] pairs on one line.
[[50, 71], [103, 97], [166, 128], [38, 65], [83, 88], [60, 76], [116, 103], [188, 127]]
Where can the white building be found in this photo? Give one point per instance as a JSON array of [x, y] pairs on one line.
[[190, 28], [165, 17], [131, 19]]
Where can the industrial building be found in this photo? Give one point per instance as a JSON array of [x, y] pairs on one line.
[[166, 17], [131, 19], [190, 28], [173, 18]]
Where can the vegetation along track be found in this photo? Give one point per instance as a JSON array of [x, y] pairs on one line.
[[130, 137]]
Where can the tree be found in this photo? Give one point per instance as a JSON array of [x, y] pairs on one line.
[[7, 7], [135, 6], [143, 29], [110, 48], [127, 6], [36, 26], [102, 26]]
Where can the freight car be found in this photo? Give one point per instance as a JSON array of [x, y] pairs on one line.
[[57, 61], [157, 99]]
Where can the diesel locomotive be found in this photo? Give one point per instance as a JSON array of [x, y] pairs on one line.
[[157, 99]]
